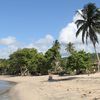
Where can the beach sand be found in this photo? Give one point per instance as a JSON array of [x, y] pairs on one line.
[[78, 87]]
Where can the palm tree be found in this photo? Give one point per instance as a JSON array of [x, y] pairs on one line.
[[56, 55], [55, 58], [89, 25], [70, 47]]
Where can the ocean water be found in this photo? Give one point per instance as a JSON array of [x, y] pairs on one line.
[[4, 88]]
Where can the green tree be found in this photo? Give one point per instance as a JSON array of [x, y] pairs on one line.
[[89, 25], [70, 47], [64, 65], [28, 61], [79, 61], [53, 56], [23, 61], [4, 66], [42, 69]]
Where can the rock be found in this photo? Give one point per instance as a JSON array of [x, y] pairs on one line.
[[67, 89], [89, 92]]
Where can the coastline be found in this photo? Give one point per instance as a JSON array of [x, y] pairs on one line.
[[62, 88], [5, 87]]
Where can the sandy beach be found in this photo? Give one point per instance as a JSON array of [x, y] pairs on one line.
[[81, 87]]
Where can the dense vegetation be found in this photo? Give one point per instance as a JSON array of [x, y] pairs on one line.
[[29, 61]]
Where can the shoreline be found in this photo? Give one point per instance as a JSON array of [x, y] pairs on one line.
[[5, 87], [62, 88]]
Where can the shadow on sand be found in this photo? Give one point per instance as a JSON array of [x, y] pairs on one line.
[[62, 79]]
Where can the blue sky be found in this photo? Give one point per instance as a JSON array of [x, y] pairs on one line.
[[27, 21]]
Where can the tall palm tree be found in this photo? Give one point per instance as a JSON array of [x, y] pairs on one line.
[[55, 58], [89, 25], [70, 47]]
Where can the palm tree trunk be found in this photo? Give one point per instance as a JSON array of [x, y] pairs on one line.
[[98, 59]]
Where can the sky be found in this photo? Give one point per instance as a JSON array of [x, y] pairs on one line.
[[37, 23]]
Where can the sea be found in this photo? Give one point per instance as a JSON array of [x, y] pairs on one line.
[[5, 86]]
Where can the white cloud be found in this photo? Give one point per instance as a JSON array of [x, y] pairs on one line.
[[5, 52], [67, 34], [42, 44], [11, 45], [8, 40]]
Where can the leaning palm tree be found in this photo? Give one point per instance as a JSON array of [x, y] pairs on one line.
[[89, 25], [70, 47]]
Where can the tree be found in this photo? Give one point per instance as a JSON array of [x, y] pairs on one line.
[[53, 56], [28, 61], [70, 47], [79, 61], [89, 25], [64, 66], [23, 61], [42, 68], [4, 66]]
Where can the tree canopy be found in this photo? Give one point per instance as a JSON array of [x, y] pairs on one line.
[[79, 61]]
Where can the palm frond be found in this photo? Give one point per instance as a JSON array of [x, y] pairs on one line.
[[96, 17], [80, 29], [83, 33], [96, 27], [87, 34], [79, 22]]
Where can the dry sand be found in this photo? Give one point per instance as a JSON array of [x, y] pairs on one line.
[[81, 87]]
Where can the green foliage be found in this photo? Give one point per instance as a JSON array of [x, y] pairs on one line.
[[70, 47], [79, 61], [41, 64], [27, 61], [22, 60], [3, 66], [64, 63], [53, 57]]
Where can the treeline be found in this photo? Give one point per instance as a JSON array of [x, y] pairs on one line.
[[29, 61]]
